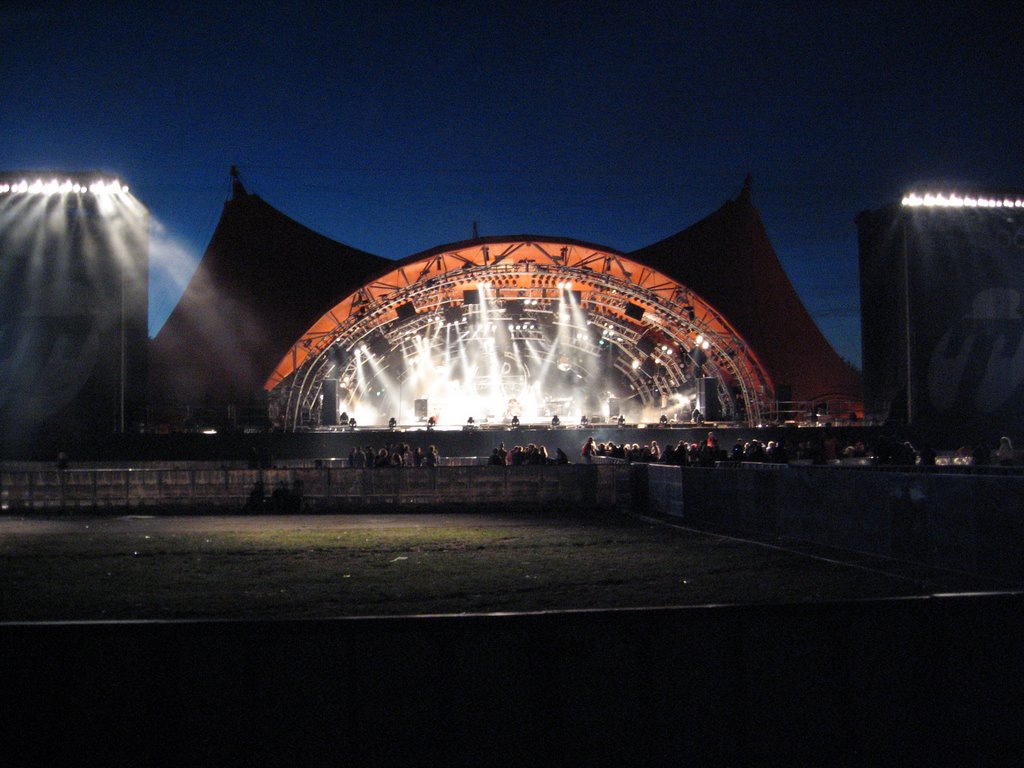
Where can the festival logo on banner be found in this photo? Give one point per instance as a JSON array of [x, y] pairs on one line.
[[978, 363]]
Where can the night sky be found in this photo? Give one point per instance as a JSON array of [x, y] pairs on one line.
[[393, 127]]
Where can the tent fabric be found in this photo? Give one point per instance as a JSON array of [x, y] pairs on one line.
[[728, 260], [263, 280]]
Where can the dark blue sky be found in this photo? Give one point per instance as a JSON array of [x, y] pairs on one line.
[[392, 127]]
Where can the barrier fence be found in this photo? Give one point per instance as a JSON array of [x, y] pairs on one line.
[[972, 523], [966, 522], [311, 488]]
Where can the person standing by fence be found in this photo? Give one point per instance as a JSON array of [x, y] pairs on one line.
[[588, 450]]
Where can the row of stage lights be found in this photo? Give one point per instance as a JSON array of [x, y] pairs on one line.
[[914, 200], [527, 302], [492, 327], [608, 330], [487, 284], [54, 187], [462, 321]]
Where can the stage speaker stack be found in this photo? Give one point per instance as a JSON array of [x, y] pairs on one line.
[[329, 409], [707, 398]]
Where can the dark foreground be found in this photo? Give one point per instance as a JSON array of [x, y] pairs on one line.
[[794, 673]]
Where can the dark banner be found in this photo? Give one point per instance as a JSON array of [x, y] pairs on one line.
[[966, 289]]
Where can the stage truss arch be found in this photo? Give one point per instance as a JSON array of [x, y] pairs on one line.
[[519, 327]]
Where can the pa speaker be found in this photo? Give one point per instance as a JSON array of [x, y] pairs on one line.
[[406, 311], [707, 398], [633, 311], [329, 407]]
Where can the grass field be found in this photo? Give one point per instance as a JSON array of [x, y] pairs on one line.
[[365, 565]]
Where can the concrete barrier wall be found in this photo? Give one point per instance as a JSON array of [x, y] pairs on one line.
[[931, 681], [606, 485], [972, 523]]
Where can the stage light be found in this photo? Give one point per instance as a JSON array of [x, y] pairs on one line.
[[108, 187], [953, 200], [636, 364], [56, 186], [699, 340]]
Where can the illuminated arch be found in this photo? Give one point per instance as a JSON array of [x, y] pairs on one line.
[[494, 321]]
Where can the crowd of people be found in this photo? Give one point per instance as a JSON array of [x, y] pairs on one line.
[[525, 455], [890, 451], [400, 455], [705, 453], [824, 448]]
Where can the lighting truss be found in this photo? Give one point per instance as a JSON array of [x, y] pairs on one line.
[[630, 312]]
